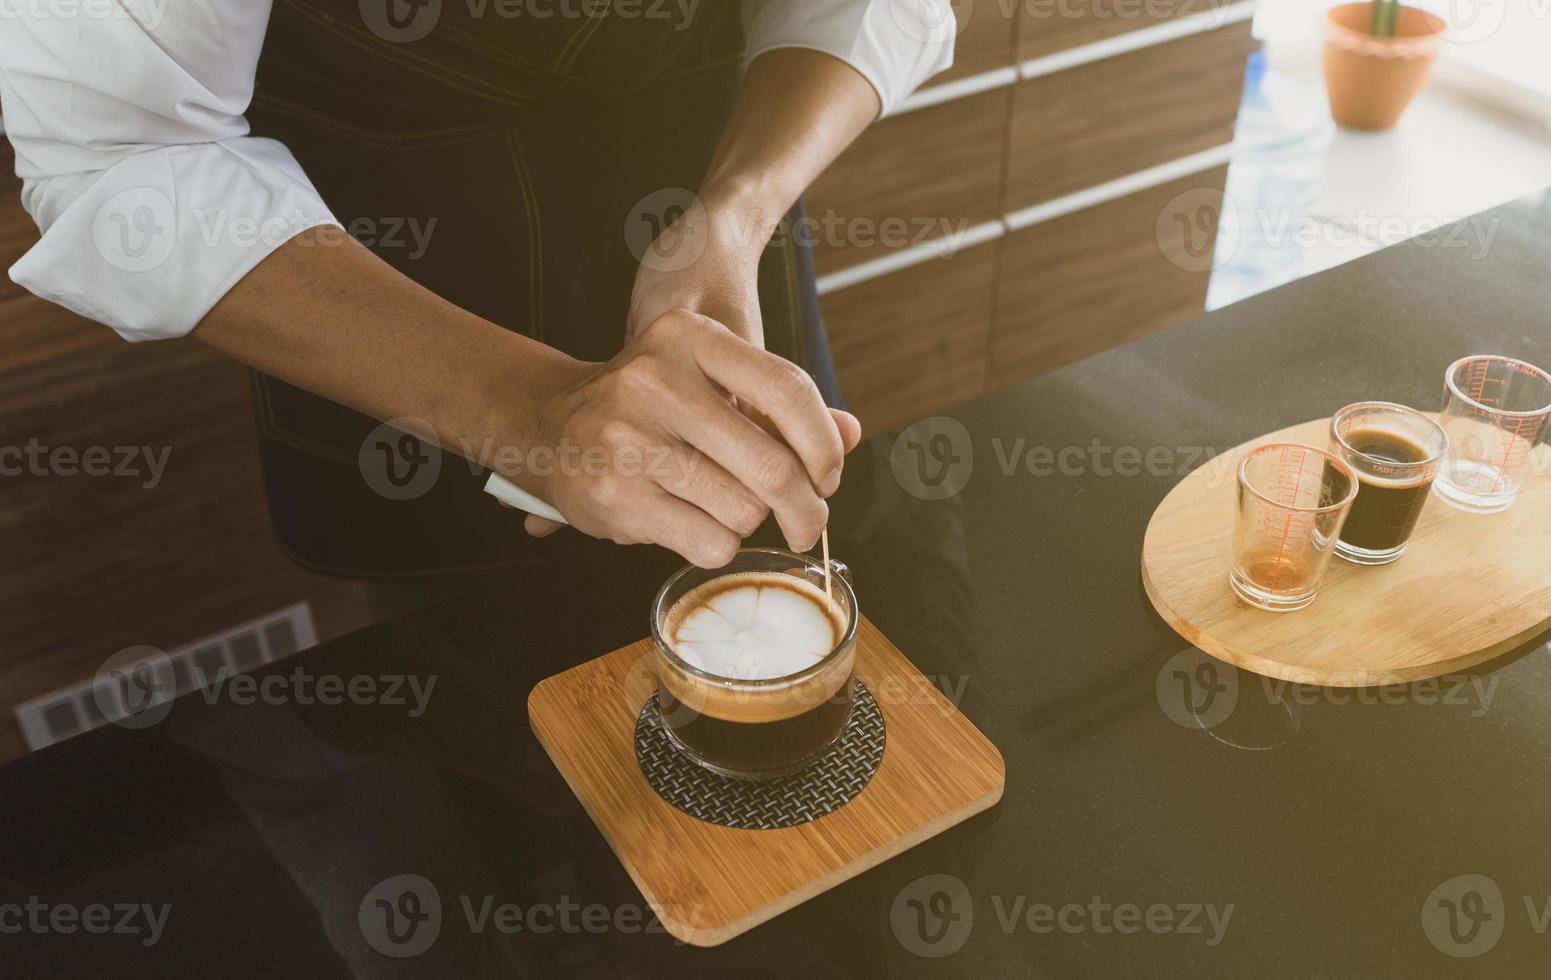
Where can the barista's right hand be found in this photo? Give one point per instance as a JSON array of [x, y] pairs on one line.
[[649, 447]]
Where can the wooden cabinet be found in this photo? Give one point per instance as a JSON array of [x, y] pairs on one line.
[[917, 337], [1047, 26], [1065, 168], [1103, 120], [910, 179], [1082, 283]]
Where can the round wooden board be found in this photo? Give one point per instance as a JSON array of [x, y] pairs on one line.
[[1469, 588]]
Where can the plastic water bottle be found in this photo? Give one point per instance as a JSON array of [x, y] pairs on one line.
[[1275, 174]]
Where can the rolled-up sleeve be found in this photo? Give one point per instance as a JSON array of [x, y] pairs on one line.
[[895, 44], [135, 158]]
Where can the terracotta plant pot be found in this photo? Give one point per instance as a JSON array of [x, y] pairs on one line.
[[1371, 79]]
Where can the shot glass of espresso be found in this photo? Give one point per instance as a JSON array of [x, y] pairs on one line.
[[754, 662], [1396, 452]]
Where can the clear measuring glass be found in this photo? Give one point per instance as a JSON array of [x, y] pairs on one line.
[[1495, 410], [1293, 500]]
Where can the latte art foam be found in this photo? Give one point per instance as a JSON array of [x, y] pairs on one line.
[[754, 626]]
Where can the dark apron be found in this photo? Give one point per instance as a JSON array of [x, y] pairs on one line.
[[530, 143]]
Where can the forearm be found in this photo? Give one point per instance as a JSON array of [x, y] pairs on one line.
[[326, 315], [796, 111], [679, 467]]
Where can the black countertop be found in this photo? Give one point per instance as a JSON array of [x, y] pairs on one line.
[[1284, 832]]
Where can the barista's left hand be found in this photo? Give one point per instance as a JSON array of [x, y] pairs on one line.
[[796, 110], [706, 262]]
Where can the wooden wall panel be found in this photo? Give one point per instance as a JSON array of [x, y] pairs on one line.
[[985, 41], [1109, 118], [1047, 26], [927, 173], [914, 342], [1080, 284]]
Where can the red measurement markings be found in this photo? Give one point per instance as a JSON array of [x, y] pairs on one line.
[[1477, 375], [1287, 528], [1520, 440]]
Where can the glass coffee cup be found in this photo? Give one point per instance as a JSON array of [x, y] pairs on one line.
[[1395, 452], [754, 665]]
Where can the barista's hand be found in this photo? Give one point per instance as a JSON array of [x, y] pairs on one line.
[[706, 262], [667, 459]]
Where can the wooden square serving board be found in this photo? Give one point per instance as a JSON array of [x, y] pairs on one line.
[[708, 883]]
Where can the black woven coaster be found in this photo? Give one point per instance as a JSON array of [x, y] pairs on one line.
[[832, 781]]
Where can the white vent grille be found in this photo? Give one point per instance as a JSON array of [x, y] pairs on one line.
[[73, 710]]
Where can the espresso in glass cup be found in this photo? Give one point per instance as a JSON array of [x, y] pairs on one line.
[[754, 663], [1395, 452]]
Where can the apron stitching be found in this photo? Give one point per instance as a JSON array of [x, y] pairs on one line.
[[428, 138], [266, 411], [574, 44], [535, 234], [568, 54], [675, 80], [474, 42], [480, 46], [272, 431], [447, 75]]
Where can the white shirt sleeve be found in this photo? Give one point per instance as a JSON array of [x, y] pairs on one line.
[[127, 120], [895, 44]]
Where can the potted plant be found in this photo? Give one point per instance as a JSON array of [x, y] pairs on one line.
[[1377, 55]]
